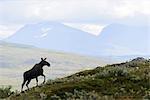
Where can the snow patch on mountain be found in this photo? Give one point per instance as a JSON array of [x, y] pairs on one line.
[[44, 32], [94, 29], [43, 29]]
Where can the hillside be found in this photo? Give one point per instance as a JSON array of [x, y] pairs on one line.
[[17, 58], [123, 81]]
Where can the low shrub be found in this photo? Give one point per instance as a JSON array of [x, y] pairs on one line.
[[5, 91]]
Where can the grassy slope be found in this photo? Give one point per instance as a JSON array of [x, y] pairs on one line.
[[16, 59], [129, 80]]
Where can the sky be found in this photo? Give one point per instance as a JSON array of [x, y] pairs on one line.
[[88, 15]]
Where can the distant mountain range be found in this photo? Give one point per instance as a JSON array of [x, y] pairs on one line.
[[115, 39]]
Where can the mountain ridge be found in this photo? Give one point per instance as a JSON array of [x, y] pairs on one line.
[[115, 39]]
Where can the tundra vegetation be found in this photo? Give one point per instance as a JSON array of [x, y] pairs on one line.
[[123, 81]]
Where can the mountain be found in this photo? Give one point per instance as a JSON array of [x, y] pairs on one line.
[[17, 58], [115, 39], [122, 81], [55, 36], [135, 38]]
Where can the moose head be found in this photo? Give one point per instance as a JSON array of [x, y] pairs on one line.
[[44, 62]]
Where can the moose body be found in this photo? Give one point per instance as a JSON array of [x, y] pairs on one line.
[[36, 71]]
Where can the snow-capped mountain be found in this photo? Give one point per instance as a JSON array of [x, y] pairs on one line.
[[115, 39], [54, 35]]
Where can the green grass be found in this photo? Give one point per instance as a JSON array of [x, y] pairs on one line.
[[126, 80], [5, 91]]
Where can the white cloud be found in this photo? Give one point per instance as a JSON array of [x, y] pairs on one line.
[[73, 10], [87, 12]]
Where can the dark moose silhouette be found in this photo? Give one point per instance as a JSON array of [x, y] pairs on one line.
[[36, 71]]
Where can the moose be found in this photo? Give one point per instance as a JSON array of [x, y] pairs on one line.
[[36, 71]]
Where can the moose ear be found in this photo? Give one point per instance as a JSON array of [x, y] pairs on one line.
[[42, 59], [45, 58]]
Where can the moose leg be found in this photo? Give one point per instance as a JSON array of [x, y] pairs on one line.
[[28, 83], [36, 81], [44, 78], [24, 81]]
